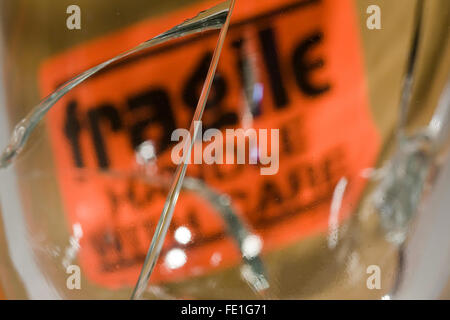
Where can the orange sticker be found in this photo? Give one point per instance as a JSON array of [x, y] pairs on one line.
[[303, 61]]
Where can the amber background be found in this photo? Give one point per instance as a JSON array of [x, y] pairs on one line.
[[31, 24]]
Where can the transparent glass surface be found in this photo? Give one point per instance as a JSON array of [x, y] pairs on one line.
[[340, 192]]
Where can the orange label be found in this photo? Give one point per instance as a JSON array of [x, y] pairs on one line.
[[308, 81]]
